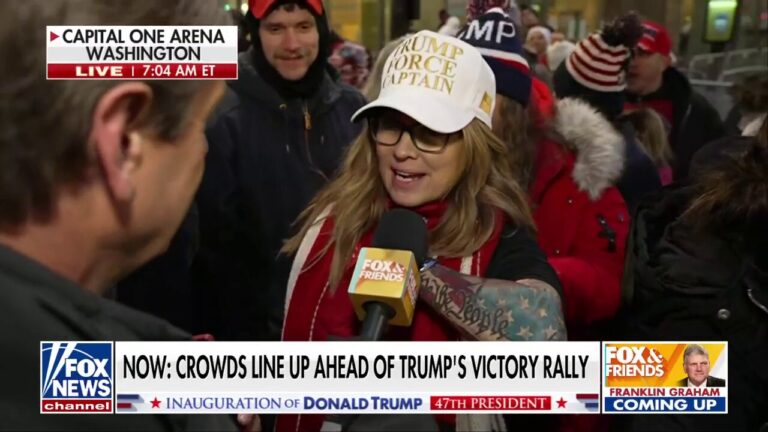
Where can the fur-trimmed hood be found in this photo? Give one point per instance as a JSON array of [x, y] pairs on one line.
[[598, 146]]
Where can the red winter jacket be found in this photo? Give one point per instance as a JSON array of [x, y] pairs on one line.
[[582, 219]]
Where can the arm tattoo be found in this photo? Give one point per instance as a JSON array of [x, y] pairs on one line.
[[492, 309]]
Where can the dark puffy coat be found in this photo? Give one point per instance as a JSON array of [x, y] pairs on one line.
[[707, 283], [268, 157]]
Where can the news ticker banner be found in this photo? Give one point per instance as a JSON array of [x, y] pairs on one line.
[[141, 52], [658, 377], [383, 377], [313, 377]]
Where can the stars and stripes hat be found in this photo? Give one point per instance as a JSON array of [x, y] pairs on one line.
[[655, 39], [497, 38], [596, 70]]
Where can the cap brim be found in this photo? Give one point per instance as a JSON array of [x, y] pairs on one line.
[[648, 49], [439, 115]]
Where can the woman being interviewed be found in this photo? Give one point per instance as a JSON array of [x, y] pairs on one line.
[[428, 148]]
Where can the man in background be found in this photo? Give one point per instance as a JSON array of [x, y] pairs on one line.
[[528, 16], [653, 82], [442, 18], [276, 139]]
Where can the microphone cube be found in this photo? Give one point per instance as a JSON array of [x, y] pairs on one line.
[[388, 276]]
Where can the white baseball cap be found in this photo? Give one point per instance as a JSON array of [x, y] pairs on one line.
[[438, 80]]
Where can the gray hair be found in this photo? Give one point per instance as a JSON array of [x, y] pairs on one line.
[[694, 349]]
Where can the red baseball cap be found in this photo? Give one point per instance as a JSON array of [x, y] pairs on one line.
[[259, 8], [655, 39]]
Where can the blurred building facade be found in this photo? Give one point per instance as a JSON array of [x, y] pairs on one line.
[[374, 22]]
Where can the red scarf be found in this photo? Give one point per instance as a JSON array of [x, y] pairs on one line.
[[314, 312]]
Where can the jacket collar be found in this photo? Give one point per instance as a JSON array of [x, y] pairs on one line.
[[251, 84], [86, 312], [675, 88]]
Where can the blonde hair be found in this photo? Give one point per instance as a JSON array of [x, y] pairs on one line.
[[651, 135], [373, 86], [356, 199]]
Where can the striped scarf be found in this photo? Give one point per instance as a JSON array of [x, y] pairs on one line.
[[314, 311]]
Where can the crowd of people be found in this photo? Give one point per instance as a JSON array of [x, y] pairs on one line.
[[580, 186]]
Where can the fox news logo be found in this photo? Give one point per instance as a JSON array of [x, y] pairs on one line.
[[76, 377], [382, 270], [633, 361]]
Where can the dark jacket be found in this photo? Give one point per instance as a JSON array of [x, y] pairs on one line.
[[711, 382], [267, 159], [162, 286], [38, 305], [695, 122], [687, 283]]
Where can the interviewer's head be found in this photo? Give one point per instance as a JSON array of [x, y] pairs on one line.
[[428, 138], [109, 165]]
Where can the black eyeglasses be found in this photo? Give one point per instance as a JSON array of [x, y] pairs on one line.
[[388, 132]]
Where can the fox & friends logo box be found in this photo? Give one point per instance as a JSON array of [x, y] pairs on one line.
[[76, 377], [665, 377]]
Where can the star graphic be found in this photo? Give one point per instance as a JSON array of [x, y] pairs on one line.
[[509, 316], [501, 303], [481, 303], [525, 333], [155, 403], [542, 313], [549, 332], [523, 303], [561, 403]]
